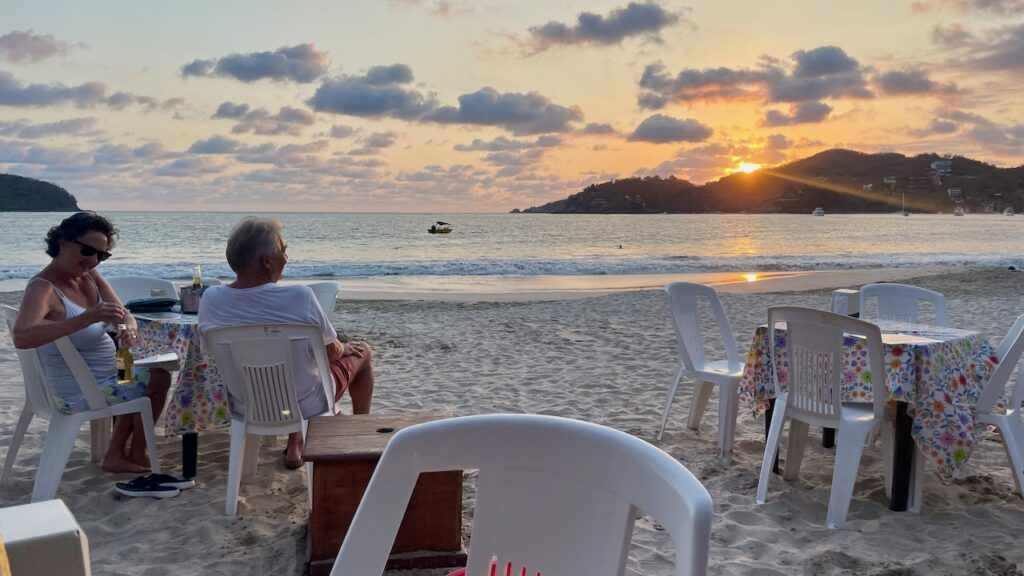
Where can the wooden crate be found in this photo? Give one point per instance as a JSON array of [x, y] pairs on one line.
[[344, 451]]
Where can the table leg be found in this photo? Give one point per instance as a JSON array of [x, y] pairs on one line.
[[903, 455], [189, 454], [767, 428], [828, 437]]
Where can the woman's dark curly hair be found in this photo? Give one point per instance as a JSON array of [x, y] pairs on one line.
[[74, 226]]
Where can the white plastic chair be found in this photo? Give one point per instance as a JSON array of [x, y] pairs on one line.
[[813, 397], [1009, 424], [684, 305], [554, 495], [60, 437], [326, 294], [257, 367], [130, 288], [210, 281], [900, 302], [43, 538]]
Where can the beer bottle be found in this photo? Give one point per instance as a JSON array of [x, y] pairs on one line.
[[197, 277], [124, 359]]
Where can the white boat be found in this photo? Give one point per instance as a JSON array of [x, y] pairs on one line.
[[818, 212], [905, 213], [958, 211], [1008, 211]]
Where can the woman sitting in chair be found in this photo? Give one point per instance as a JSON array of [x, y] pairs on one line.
[[70, 298]]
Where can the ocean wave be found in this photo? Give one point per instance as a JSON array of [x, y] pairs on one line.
[[680, 264]]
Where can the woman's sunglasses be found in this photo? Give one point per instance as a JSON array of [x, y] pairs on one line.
[[87, 251]]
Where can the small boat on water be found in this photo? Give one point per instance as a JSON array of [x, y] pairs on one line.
[[818, 212], [440, 228], [1008, 211], [958, 211]]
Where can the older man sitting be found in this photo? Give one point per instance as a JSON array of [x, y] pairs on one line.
[[256, 252]]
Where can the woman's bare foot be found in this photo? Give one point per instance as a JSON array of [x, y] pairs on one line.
[[293, 454], [139, 459], [120, 464]]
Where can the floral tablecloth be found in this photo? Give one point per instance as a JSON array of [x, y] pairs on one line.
[[199, 401], [939, 372]]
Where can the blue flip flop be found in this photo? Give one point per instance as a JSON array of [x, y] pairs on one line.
[[172, 481], [143, 487]]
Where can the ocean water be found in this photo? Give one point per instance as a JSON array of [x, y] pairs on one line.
[[167, 244]]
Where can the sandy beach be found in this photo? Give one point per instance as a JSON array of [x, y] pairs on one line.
[[606, 358]]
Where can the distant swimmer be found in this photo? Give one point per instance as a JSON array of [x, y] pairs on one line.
[[620, 246]]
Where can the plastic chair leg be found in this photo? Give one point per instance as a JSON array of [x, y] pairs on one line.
[[12, 448], [668, 401], [701, 394], [99, 438], [1013, 441], [771, 446], [60, 439], [251, 455], [849, 448], [238, 437], [795, 448], [888, 439], [728, 406]]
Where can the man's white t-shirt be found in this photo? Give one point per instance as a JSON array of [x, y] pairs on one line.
[[223, 307]]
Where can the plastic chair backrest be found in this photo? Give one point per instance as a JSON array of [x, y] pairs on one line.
[[210, 281], [37, 391], [326, 294], [555, 496], [130, 288], [684, 304], [814, 341], [900, 302], [257, 366], [1009, 354]]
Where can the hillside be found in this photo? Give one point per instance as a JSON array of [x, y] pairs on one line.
[[20, 194], [837, 180]]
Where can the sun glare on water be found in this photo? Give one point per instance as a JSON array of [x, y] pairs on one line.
[[748, 167], [750, 277]]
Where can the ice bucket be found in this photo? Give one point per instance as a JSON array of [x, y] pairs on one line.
[[190, 297]]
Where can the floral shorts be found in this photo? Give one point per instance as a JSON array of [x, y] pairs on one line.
[[113, 391]]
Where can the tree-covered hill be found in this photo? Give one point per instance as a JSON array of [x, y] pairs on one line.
[[20, 194]]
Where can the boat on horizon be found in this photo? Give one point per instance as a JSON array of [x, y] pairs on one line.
[[440, 228], [1008, 211], [958, 211], [818, 212]]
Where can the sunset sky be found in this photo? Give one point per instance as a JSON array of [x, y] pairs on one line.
[[452, 105]]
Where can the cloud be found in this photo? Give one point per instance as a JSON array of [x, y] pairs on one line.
[[231, 110], [935, 127], [87, 95], [1002, 50], [374, 143], [645, 19], [289, 121], [341, 131], [824, 72], [380, 92], [215, 145], [521, 114], [951, 36], [1001, 7], [1006, 139], [24, 129], [778, 142], [598, 129], [27, 46], [661, 129], [301, 63], [116, 154], [445, 9], [14, 152], [911, 82], [393, 74], [502, 144], [799, 113], [190, 167]]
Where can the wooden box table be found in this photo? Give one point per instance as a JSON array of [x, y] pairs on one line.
[[344, 451]]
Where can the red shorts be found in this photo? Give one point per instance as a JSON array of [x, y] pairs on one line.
[[342, 370]]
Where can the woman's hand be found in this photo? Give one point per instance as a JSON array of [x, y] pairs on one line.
[[107, 312], [130, 337]]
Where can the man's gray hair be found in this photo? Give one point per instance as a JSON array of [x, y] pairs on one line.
[[252, 238]]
